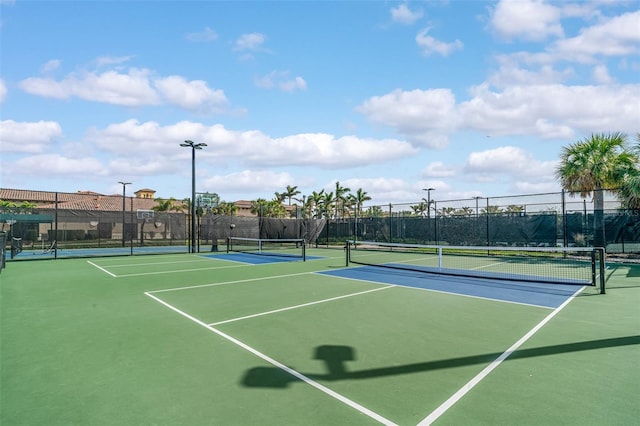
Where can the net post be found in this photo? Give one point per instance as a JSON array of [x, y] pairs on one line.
[[594, 260], [439, 258], [228, 244], [602, 255], [304, 251], [347, 250]]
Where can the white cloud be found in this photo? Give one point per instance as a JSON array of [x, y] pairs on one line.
[[281, 80], [130, 138], [532, 20], [262, 181], [403, 15], [131, 89], [438, 169], [326, 151], [252, 41], [601, 75], [552, 111], [190, 95], [202, 36], [51, 65], [430, 45], [511, 73], [30, 137], [137, 87], [425, 117], [57, 165], [112, 60], [614, 37], [509, 160], [3, 90]]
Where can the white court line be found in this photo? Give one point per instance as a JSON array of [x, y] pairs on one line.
[[124, 265], [228, 282], [275, 311], [488, 369], [445, 292], [102, 269], [176, 271], [279, 365]]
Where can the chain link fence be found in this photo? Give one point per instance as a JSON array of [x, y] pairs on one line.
[[542, 220]]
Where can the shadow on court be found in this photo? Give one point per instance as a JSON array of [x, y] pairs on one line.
[[337, 357]]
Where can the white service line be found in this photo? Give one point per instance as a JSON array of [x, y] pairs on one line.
[[175, 271], [275, 311], [279, 365], [228, 282], [102, 269], [488, 369]]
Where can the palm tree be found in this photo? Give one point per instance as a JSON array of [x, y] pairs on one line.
[[360, 197], [290, 192], [164, 205], [327, 202], [258, 207], [279, 196], [314, 202], [419, 209], [225, 208], [592, 165], [464, 211], [630, 190], [341, 198]]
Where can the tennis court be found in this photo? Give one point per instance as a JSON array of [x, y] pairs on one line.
[[221, 339]]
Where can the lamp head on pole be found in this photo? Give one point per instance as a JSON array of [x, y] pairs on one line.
[[193, 144]]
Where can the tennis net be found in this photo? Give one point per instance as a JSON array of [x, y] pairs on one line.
[[293, 247], [562, 265]]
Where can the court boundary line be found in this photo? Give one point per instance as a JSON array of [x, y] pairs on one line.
[[174, 271], [164, 290], [122, 265], [443, 292], [102, 269], [303, 305], [453, 399], [362, 409]]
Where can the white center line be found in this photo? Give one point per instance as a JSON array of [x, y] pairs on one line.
[[279, 365], [300, 306]]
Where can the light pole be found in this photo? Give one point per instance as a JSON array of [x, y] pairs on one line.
[[193, 147], [124, 197], [428, 200], [477, 198]]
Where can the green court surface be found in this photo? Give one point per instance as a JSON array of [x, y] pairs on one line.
[[205, 340]]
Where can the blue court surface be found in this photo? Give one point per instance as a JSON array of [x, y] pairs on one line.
[[258, 259], [529, 293]]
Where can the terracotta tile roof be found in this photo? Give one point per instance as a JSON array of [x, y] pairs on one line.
[[81, 200]]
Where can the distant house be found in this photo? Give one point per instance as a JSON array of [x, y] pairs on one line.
[[81, 200], [145, 193], [89, 200]]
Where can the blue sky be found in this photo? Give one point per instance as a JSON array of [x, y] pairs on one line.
[[472, 98]]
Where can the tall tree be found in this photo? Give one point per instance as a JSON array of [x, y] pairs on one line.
[[592, 165], [360, 197], [290, 192], [164, 205], [225, 208], [314, 203], [419, 209], [340, 199], [630, 190], [327, 203]]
